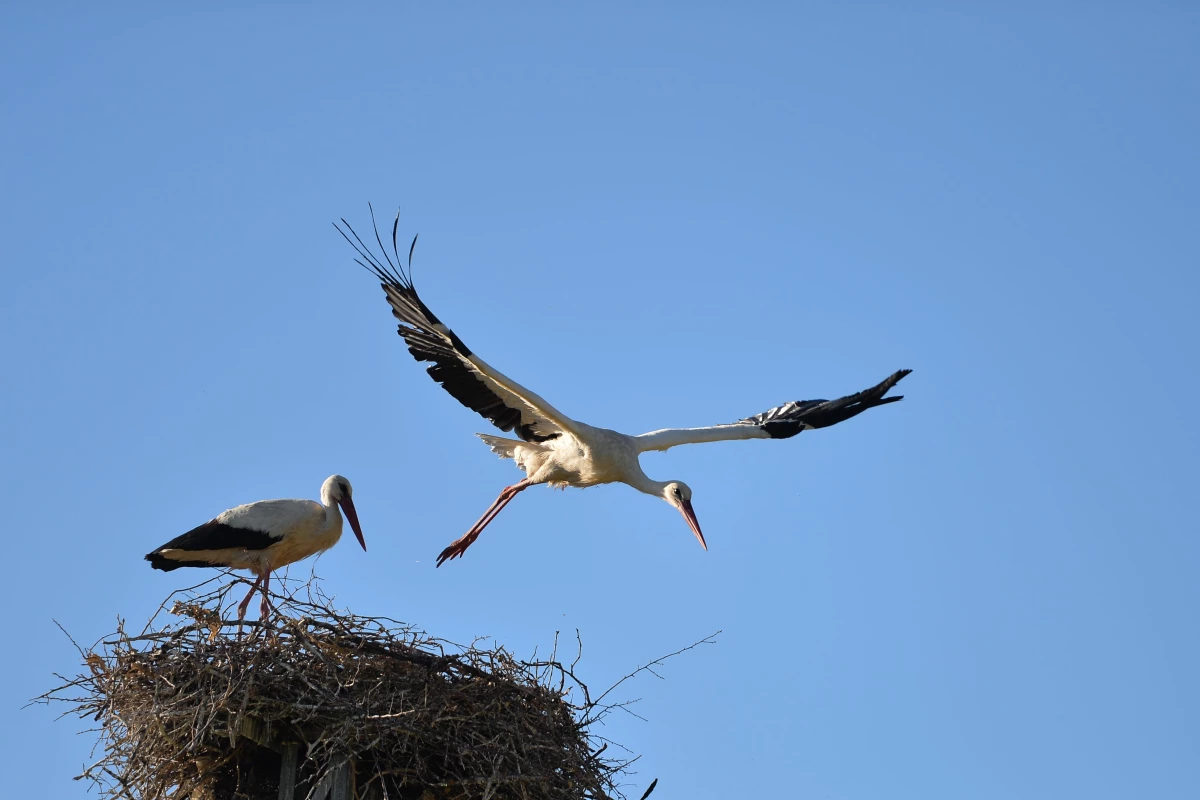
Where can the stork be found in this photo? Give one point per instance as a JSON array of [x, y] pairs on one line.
[[552, 448], [264, 536]]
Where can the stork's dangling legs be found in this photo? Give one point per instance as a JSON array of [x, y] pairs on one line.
[[508, 494], [460, 545]]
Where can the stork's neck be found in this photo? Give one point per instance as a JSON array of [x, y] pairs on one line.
[[327, 499], [647, 485], [333, 514]]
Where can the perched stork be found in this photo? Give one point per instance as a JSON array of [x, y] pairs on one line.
[[551, 447], [264, 536]]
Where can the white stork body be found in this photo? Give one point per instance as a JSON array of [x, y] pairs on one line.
[[553, 448], [264, 536], [586, 456]]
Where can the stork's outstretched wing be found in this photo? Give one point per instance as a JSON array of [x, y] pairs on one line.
[[468, 378], [782, 422]]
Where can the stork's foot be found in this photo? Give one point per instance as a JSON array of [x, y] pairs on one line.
[[457, 548]]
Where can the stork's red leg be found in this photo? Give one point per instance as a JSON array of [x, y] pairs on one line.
[[264, 611], [242, 606], [460, 545]]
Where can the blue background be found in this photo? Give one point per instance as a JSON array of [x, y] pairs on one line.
[[655, 216]]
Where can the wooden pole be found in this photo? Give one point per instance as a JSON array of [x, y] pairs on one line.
[[287, 771], [343, 780]]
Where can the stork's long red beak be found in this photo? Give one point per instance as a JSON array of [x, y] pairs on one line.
[[685, 508], [348, 506]]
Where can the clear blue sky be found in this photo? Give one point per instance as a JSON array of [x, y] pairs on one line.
[[654, 217]]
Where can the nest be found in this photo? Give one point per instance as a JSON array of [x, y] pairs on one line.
[[198, 708]]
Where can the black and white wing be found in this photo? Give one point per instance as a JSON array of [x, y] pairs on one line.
[[468, 378], [196, 547], [790, 418], [782, 422], [253, 526]]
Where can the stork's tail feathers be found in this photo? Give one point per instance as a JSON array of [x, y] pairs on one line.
[[505, 448], [791, 418]]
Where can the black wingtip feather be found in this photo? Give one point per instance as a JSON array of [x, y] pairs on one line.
[[396, 227], [167, 564], [159, 561], [379, 241], [790, 419]]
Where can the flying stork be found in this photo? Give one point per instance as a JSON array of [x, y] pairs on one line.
[[551, 447], [264, 536]]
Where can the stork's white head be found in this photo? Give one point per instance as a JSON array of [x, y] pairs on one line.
[[679, 495], [337, 489]]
